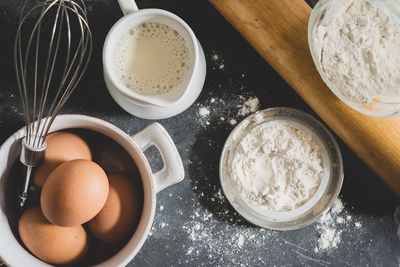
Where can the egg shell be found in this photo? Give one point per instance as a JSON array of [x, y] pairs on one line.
[[61, 147], [119, 216], [74, 193], [51, 243]]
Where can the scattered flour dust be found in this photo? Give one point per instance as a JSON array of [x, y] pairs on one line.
[[215, 106], [329, 234], [230, 108], [217, 61], [216, 235], [240, 241], [204, 112], [232, 121], [359, 51], [223, 243], [250, 106], [330, 227]]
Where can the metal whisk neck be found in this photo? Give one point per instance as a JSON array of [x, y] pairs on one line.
[[31, 152]]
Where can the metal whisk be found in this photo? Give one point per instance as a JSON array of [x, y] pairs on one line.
[[52, 49]]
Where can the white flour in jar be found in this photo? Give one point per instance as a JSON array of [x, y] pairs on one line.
[[278, 165], [359, 51]]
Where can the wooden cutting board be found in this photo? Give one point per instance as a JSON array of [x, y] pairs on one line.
[[277, 29]]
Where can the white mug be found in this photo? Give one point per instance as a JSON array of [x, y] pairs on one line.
[[11, 251], [155, 106]]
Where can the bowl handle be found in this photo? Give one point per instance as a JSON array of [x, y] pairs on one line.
[[173, 171], [128, 6]]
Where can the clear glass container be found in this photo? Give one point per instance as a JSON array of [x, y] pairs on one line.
[[324, 12], [317, 205]]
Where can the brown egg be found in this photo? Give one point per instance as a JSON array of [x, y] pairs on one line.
[[51, 243], [119, 216], [74, 193], [61, 147]]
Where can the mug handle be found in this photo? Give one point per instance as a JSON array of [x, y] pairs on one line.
[[128, 6], [173, 171]]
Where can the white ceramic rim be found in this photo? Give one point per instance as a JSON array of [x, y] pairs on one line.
[[108, 49]]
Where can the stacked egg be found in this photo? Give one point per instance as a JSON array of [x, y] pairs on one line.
[[76, 195]]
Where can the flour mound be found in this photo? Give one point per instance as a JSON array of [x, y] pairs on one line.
[[278, 165], [359, 52]]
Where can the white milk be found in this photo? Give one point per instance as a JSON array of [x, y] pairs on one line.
[[152, 58]]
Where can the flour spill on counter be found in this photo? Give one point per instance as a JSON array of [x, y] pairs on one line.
[[217, 61], [229, 109], [213, 110], [217, 232], [250, 106], [222, 243], [204, 112], [329, 235], [232, 121], [331, 227]]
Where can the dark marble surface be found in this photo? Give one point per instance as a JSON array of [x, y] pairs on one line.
[[194, 224]]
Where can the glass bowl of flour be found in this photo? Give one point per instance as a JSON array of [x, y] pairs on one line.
[[355, 46], [281, 169]]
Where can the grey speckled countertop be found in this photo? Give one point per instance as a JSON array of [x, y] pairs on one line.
[[194, 225]]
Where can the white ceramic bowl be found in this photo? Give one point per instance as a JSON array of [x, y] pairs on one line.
[[11, 251]]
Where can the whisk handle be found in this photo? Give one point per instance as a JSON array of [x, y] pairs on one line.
[[128, 6], [31, 156], [24, 195]]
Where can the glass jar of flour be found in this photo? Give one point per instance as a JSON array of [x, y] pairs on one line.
[[355, 46]]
